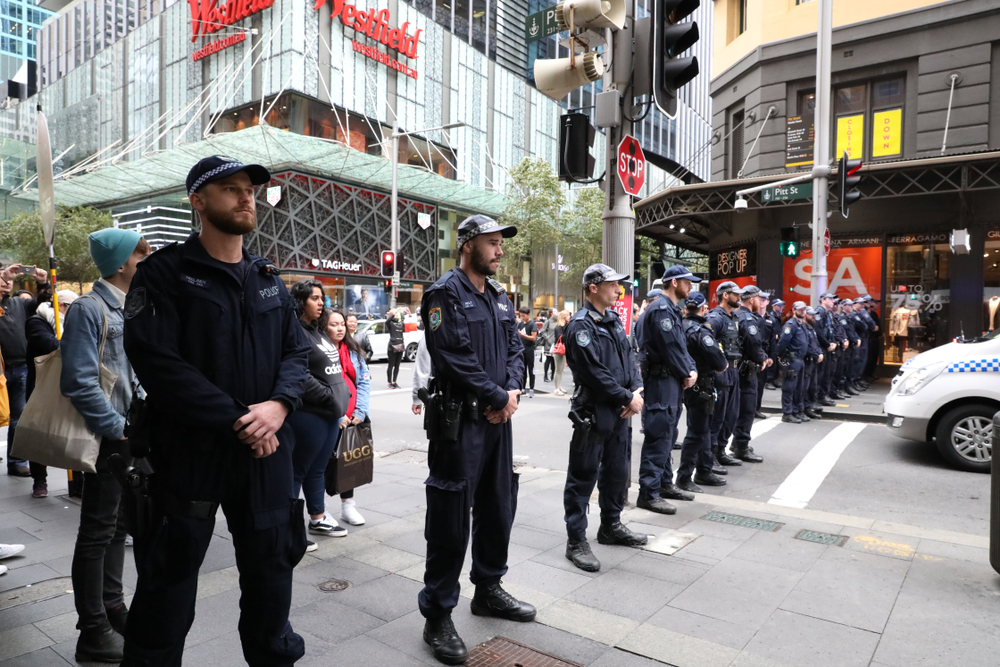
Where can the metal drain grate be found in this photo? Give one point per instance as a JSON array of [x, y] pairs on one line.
[[503, 652], [822, 538], [334, 585], [745, 521]]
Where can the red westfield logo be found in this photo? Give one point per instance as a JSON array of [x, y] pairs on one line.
[[375, 24], [207, 16]]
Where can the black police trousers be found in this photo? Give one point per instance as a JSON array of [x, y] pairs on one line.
[[791, 387], [655, 470], [827, 371], [696, 450], [603, 462], [168, 559], [476, 472], [747, 410], [804, 391], [727, 407], [761, 380]]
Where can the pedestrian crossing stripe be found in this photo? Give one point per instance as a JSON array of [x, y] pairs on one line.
[[976, 366]]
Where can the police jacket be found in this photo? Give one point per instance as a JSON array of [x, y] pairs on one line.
[[825, 331], [869, 323], [751, 336], [840, 327], [793, 342], [853, 327], [775, 321], [603, 364], [472, 338], [204, 348], [812, 354], [702, 347], [662, 346], [725, 328]]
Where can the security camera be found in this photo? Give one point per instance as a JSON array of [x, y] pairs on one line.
[[741, 204]]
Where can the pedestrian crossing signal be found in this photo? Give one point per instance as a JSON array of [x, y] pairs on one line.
[[790, 245]]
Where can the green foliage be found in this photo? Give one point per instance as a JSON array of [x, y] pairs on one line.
[[21, 238], [582, 236], [537, 200]]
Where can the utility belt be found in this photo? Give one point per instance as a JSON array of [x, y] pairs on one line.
[[810, 359], [137, 504], [447, 407], [583, 421], [654, 370], [748, 368], [788, 359], [703, 393], [733, 357]]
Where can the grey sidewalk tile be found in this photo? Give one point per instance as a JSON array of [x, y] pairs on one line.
[[617, 657], [45, 657], [412, 541], [361, 650], [387, 558], [674, 521], [745, 659], [332, 621], [538, 538], [674, 648], [717, 529], [60, 628], [220, 581], [780, 550], [701, 627], [883, 544], [26, 614], [738, 592], [224, 649], [17, 536], [626, 594], [934, 549], [545, 578], [23, 575], [386, 530], [340, 567], [405, 634], [709, 546], [566, 645], [386, 598], [795, 639], [868, 559], [556, 557], [213, 617], [11, 518], [667, 568], [586, 621], [19, 641]]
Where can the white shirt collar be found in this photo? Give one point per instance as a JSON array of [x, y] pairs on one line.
[[118, 294]]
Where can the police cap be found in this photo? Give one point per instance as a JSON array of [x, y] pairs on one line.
[[777, 302], [728, 286], [475, 225], [653, 293], [798, 305], [214, 167], [766, 296], [695, 300], [828, 295], [750, 291], [679, 273], [860, 299], [601, 273], [810, 310]]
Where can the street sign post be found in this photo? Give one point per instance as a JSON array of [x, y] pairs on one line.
[[787, 192], [631, 165], [540, 25]]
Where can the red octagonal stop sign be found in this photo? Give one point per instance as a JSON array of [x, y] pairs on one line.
[[631, 165]]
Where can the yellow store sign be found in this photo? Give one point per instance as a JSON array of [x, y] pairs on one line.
[[851, 135], [887, 133]]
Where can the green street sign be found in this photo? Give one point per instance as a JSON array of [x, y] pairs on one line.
[[787, 193], [541, 25]]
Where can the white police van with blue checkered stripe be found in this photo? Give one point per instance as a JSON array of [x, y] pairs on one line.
[[949, 395]]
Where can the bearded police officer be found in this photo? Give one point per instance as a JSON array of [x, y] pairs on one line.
[[475, 351], [826, 331], [853, 329], [725, 327], [667, 368], [608, 392], [697, 458], [793, 344], [754, 358]]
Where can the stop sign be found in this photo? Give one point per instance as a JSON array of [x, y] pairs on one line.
[[631, 165]]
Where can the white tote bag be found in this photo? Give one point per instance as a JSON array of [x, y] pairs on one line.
[[51, 430]]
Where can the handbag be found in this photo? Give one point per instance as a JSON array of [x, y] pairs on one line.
[[398, 347], [353, 465], [4, 396], [51, 430], [559, 348]]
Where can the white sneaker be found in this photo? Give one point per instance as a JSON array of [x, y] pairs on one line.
[[310, 546], [3, 569], [350, 513], [8, 550], [129, 541], [326, 526]]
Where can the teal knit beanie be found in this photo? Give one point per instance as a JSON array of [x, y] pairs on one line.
[[111, 248]]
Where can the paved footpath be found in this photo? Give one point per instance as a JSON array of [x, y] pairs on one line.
[[711, 589]]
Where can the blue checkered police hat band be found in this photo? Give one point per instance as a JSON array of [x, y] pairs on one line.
[[214, 172]]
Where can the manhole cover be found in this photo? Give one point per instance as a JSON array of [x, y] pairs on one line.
[[503, 652], [745, 521], [334, 585], [821, 538]]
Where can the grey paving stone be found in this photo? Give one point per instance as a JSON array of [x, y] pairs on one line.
[[45, 657], [361, 650], [674, 648], [870, 560], [700, 626], [609, 557], [26, 614], [386, 598], [618, 658], [781, 550], [556, 642], [21, 640], [11, 518], [224, 649], [16, 536], [332, 621], [405, 634], [795, 639], [933, 548], [667, 568], [28, 574], [545, 578], [413, 541], [883, 544], [214, 617], [340, 567], [625, 594], [717, 529], [536, 538], [709, 546]]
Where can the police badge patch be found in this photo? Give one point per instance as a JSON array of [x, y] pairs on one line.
[[435, 318], [788, 330], [753, 329], [135, 302], [582, 338], [666, 324], [707, 341]]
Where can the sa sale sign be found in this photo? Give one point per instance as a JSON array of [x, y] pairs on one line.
[[851, 272]]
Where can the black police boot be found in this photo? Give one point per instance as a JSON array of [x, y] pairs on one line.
[[709, 479], [770, 385], [493, 600], [689, 486], [579, 554], [801, 416], [759, 415], [747, 455], [827, 402], [850, 390], [719, 470], [812, 414], [723, 457], [117, 617], [677, 445], [617, 533], [674, 492], [658, 505], [441, 636], [789, 418], [100, 644]]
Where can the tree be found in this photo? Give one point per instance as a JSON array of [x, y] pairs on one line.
[[582, 235], [22, 238]]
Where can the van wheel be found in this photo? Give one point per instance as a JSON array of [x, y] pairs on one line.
[[411, 352], [964, 437]]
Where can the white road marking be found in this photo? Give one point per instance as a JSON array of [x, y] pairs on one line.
[[800, 486], [761, 427]]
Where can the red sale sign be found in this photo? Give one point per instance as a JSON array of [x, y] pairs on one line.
[[623, 306], [713, 285], [851, 272]]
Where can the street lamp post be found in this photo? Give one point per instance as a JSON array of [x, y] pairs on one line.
[[394, 235]]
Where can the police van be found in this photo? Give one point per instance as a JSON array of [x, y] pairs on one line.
[[949, 395]]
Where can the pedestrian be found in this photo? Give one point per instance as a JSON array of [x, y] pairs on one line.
[[725, 329], [667, 369], [608, 393], [40, 335], [421, 374], [793, 345], [753, 360], [8, 550], [394, 354], [529, 334], [477, 356], [359, 384], [360, 338], [548, 336], [316, 425], [14, 313], [559, 353], [697, 460], [212, 334], [91, 340]]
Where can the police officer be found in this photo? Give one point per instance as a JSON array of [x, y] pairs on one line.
[[855, 329], [767, 332], [813, 363], [774, 317], [827, 334], [212, 335], [838, 353], [876, 339], [478, 372], [667, 368], [754, 359], [697, 458], [725, 327], [608, 392], [861, 326], [866, 339], [791, 350], [846, 324]]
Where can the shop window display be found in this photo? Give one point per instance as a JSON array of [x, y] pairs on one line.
[[991, 281], [915, 314]]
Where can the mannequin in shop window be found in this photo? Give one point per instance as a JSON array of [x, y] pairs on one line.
[[992, 305], [899, 326]]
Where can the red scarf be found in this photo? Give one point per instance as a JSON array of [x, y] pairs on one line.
[[350, 376]]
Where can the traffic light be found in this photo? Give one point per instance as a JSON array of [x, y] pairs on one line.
[[576, 138], [790, 245], [387, 286], [388, 263], [847, 179], [670, 39]]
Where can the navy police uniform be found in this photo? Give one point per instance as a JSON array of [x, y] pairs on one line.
[[751, 347], [826, 333], [725, 328], [791, 350], [807, 388]]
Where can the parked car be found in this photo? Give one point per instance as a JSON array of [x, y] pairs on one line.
[[949, 395], [378, 337]]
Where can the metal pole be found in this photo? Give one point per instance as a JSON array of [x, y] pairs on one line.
[[619, 218], [821, 147], [394, 241], [555, 301]]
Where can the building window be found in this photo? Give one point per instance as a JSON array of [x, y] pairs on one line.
[[877, 105], [915, 315], [737, 144], [742, 25]]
